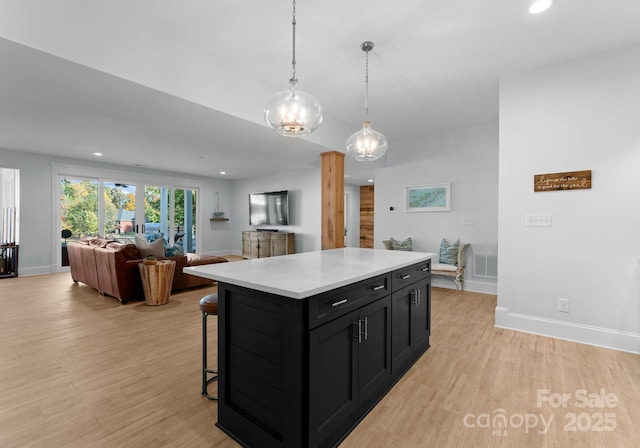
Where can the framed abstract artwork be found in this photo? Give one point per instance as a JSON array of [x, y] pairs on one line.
[[428, 198]]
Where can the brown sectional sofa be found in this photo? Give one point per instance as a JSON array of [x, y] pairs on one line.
[[112, 268]]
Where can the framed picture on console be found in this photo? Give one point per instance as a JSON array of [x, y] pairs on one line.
[[428, 198]]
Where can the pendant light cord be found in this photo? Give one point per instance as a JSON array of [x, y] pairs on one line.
[[293, 26], [366, 86]]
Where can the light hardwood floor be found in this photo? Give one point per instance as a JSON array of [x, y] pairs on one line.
[[81, 370]]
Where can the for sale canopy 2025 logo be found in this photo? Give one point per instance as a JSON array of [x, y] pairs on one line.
[[593, 414]]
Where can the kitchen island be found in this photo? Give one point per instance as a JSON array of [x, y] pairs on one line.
[[309, 343]]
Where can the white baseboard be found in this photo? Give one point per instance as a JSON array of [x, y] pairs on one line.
[[586, 334], [469, 285], [37, 270]]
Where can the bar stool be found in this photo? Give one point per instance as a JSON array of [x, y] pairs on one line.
[[208, 305]]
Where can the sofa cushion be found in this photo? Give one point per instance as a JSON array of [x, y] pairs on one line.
[[449, 251], [99, 242], [155, 249], [197, 260], [404, 245]]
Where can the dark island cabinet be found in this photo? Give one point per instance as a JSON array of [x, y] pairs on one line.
[[349, 363], [411, 322], [303, 372]]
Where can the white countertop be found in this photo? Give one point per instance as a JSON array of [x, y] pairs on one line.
[[305, 274]]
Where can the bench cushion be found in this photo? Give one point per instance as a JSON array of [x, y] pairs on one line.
[[443, 267]]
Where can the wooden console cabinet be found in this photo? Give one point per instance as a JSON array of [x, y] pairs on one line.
[[267, 244]]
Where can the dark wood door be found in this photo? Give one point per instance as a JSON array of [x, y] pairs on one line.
[[366, 216]]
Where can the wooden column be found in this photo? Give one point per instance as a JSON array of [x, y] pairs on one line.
[[332, 200]]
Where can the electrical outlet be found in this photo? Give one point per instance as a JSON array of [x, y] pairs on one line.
[[564, 305], [543, 220]]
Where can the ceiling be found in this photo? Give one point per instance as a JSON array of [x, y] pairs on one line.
[[180, 86]]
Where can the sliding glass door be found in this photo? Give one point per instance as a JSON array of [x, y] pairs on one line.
[[78, 208], [122, 210], [119, 211], [170, 213]]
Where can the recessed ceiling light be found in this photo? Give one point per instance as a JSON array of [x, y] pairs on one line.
[[97, 154], [538, 6], [370, 180], [223, 172]]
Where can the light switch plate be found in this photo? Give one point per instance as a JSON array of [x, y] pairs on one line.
[[543, 220]]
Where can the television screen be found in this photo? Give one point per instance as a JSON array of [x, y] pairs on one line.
[[270, 208]]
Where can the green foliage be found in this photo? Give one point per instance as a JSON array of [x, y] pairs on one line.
[[130, 205], [79, 207], [152, 202], [115, 195]]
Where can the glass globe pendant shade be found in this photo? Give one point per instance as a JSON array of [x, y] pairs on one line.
[[538, 6], [366, 144], [292, 112]]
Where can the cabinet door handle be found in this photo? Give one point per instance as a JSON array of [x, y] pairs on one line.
[[359, 331], [339, 302], [405, 276], [366, 329], [425, 269], [417, 297], [377, 288]]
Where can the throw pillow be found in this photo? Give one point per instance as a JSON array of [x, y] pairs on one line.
[[404, 245], [173, 251], [155, 248], [130, 252], [449, 252]]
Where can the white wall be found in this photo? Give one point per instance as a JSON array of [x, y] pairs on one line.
[[35, 254], [352, 213], [468, 159], [576, 115], [305, 207]]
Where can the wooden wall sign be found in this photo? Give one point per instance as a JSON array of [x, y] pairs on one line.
[[572, 180]]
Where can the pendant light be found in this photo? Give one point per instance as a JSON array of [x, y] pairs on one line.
[[538, 6], [366, 144], [292, 112]]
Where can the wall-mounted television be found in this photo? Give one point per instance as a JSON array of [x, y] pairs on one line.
[[270, 208]]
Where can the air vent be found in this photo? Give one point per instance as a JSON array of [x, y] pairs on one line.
[[485, 265]]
